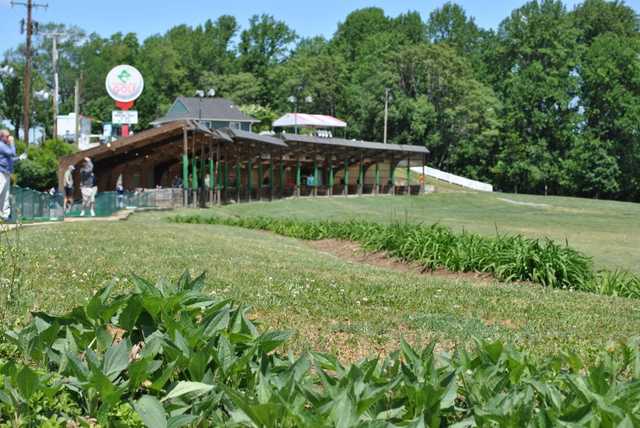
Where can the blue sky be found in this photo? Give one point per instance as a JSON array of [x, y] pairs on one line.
[[308, 18]]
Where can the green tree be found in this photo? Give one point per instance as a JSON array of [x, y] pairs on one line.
[[265, 43], [596, 17], [591, 169], [535, 73], [441, 105], [39, 171], [242, 88], [610, 96]]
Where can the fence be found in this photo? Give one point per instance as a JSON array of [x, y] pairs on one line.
[[28, 205], [31, 205], [107, 203], [455, 179]]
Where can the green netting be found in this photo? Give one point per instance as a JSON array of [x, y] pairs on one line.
[[30, 205], [107, 203]]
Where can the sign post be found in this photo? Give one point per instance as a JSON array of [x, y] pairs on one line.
[[124, 84]]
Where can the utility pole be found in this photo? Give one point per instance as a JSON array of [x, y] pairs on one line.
[[76, 110], [56, 83], [386, 112], [28, 28]]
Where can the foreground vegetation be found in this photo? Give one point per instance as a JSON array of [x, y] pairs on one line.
[[171, 355]]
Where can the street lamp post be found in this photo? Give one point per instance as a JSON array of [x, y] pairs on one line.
[[294, 100], [386, 112]]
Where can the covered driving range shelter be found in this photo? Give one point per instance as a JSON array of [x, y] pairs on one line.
[[216, 166]]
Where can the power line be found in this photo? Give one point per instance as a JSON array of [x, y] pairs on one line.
[[28, 27]]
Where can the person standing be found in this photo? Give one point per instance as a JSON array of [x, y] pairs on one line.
[[120, 192], [88, 188], [68, 188], [7, 160]]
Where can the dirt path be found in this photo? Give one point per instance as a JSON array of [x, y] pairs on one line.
[[352, 252]]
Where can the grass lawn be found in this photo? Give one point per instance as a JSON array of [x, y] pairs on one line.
[[607, 231], [338, 306]]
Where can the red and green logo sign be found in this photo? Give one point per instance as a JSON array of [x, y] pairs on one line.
[[124, 83]]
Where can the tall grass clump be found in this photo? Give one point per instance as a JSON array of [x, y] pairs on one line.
[[506, 257], [12, 259], [171, 355]]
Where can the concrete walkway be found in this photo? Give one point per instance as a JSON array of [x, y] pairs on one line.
[[120, 215]]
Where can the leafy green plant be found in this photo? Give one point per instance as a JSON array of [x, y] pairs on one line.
[[170, 355]]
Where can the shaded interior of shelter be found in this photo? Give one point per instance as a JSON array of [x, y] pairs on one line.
[[235, 165]]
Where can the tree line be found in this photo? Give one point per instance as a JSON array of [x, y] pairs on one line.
[[549, 102]]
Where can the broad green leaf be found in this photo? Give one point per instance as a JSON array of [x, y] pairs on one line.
[[182, 388], [116, 359], [151, 412], [28, 382]]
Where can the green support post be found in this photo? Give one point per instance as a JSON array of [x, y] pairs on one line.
[[345, 191], [298, 178], [283, 178], [194, 181], [392, 176], [250, 178], [212, 181], [194, 175], [315, 177], [330, 190], [226, 175], [377, 189], [270, 178], [408, 191], [238, 181], [361, 178], [260, 175], [185, 171]]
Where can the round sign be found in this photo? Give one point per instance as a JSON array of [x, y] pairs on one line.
[[124, 83]]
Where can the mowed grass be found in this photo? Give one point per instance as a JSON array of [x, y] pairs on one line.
[[605, 230], [332, 305]]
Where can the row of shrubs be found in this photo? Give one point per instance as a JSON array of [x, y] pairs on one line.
[[506, 257], [170, 355]]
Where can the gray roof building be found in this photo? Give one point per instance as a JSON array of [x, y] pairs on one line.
[[214, 113]]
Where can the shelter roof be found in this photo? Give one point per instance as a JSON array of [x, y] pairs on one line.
[[196, 108], [341, 142], [309, 120]]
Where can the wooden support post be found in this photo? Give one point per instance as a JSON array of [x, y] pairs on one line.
[[330, 189], [250, 179], [185, 168], [376, 189], [298, 177], [270, 178], [345, 190]]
